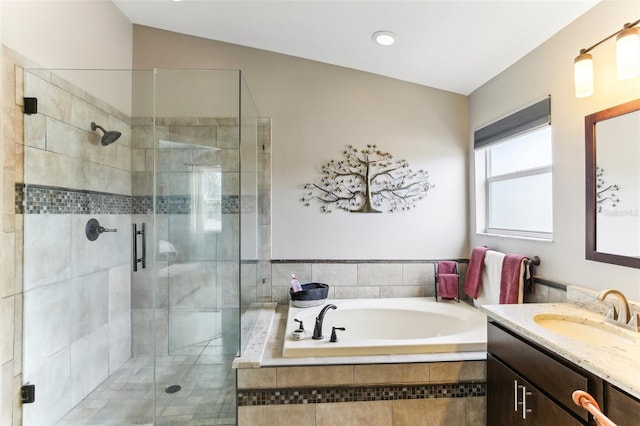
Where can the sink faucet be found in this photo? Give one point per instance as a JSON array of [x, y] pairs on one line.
[[621, 317], [317, 330], [622, 314]]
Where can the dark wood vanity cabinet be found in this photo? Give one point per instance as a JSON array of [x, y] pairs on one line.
[[528, 385], [622, 409], [513, 400]]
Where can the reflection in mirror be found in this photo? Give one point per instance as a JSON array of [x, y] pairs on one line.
[[612, 138]]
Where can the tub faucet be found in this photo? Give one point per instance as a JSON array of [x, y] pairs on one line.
[[317, 330], [622, 316]]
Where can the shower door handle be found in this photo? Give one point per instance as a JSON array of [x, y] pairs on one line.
[[136, 259]]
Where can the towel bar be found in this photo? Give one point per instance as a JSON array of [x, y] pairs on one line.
[[456, 272]]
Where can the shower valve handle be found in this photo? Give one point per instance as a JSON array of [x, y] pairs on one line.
[[93, 229]]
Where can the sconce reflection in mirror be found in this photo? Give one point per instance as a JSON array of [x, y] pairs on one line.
[[605, 194], [367, 180], [93, 229]]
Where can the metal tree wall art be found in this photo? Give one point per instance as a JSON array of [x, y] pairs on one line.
[[605, 193], [367, 181]]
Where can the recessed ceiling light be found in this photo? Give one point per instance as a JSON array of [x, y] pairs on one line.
[[384, 38]]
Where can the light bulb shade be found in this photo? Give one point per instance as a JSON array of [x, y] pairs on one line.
[[583, 75], [628, 53]]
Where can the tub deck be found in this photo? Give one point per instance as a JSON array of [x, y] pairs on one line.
[[388, 326], [266, 339]]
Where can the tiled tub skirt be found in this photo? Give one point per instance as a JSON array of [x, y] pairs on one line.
[[307, 395]]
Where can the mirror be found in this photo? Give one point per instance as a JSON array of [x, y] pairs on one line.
[[612, 140]]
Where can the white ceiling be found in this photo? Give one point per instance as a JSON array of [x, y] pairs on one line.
[[454, 45]]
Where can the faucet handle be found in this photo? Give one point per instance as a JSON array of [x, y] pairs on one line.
[[613, 313], [301, 326], [634, 322], [334, 336]]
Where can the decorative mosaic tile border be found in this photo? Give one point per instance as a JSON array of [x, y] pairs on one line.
[[37, 199], [257, 397]]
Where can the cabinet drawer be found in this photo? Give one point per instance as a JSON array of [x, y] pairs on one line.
[[557, 379], [622, 409]]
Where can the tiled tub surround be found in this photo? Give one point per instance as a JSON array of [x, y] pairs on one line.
[[365, 279], [377, 389]]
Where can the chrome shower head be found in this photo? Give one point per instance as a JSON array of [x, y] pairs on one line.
[[108, 137]]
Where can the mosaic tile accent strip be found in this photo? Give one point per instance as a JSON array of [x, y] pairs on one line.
[[37, 199], [256, 397], [179, 204]]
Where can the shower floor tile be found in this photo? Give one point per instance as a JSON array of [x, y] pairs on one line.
[[207, 397]]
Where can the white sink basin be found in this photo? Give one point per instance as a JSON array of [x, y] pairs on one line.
[[585, 330]]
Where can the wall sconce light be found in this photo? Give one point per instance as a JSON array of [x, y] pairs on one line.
[[627, 59]]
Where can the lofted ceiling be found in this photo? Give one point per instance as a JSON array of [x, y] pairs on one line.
[[453, 45]]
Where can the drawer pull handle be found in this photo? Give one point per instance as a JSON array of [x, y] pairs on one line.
[[525, 410], [515, 395]]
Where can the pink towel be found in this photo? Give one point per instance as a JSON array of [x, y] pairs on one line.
[[474, 272], [510, 278], [446, 267], [448, 286]]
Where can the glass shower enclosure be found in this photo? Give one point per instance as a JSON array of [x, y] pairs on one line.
[[140, 205]]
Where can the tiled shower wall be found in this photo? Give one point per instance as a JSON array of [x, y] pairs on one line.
[[197, 270], [11, 154], [76, 291]]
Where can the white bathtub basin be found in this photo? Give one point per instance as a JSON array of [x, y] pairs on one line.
[[389, 326]]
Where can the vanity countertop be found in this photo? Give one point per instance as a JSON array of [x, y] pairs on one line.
[[617, 364]]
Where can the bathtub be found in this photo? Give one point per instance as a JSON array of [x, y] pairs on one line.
[[388, 326]]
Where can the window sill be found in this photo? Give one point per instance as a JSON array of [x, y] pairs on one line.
[[515, 237]]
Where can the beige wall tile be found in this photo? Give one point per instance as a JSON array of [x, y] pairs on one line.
[[8, 200], [281, 415], [7, 263], [432, 412], [335, 274], [417, 274], [392, 373], [443, 372], [402, 291], [541, 295], [476, 411], [357, 292], [380, 274], [378, 413], [7, 319], [6, 393], [557, 295], [17, 334], [315, 376], [256, 378], [281, 273]]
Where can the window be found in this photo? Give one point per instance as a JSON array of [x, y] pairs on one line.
[[212, 199], [514, 194]]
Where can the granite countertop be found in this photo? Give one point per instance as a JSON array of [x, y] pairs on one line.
[[617, 364]]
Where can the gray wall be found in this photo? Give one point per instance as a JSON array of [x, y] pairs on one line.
[[316, 111], [548, 70]]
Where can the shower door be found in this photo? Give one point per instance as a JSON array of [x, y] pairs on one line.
[[139, 325]]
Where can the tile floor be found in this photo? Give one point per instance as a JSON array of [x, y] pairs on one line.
[[207, 396]]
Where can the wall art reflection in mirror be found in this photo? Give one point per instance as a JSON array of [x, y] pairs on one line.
[[612, 141], [367, 180]]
